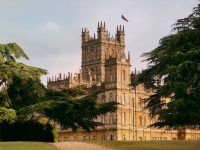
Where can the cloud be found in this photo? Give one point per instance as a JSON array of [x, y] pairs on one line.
[[51, 26]]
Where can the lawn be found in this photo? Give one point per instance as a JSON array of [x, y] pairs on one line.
[[26, 146], [152, 145]]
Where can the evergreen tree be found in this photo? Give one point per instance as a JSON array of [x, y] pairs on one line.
[[176, 62]]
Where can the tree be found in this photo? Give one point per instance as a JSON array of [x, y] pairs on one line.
[[176, 62], [9, 67], [71, 108], [25, 92]]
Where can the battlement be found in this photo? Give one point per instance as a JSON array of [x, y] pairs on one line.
[[103, 35], [66, 81]]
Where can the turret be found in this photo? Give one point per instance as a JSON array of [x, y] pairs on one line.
[[133, 77], [85, 35], [129, 56], [120, 35], [101, 31]]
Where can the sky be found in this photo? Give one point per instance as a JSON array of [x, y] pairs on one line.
[[49, 31]]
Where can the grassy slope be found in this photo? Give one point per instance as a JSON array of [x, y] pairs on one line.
[[26, 146], [152, 145]]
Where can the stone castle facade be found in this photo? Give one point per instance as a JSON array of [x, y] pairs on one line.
[[106, 66]]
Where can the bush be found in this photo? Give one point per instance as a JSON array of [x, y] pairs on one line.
[[29, 131]]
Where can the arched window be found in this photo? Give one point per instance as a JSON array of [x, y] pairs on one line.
[[112, 53]]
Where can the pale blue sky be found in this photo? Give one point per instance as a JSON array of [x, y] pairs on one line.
[[50, 30]]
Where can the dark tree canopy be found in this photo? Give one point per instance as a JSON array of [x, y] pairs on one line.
[[71, 108], [176, 62]]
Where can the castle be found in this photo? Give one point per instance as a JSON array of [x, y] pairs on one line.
[[106, 66]]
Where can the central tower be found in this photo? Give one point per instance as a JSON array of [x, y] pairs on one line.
[[97, 49], [104, 61]]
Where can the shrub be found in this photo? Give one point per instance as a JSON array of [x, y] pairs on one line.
[[29, 131]]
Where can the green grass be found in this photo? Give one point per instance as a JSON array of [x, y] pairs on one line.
[[26, 146], [152, 145]]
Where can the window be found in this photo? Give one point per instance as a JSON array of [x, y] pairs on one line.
[[123, 75], [96, 54], [73, 138], [111, 96], [140, 120], [84, 138], [103, 119], [112, 53], [140, 101], [124, 98], [164, 138], [124, 137], [93, 74], [103, 137], [173, 138], [93, 137], [91, 55], [123, 118], [144, 121], [96, 73], [66, 138], [111, 137], [111, 75], [111, 119]]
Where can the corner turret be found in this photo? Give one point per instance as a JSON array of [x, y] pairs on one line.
[[120, 35], [101, 31], [85, 35]]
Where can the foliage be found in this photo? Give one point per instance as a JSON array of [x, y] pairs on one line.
[[7, 115], [9, 67], [66, 93], [70, 113], [176, 61], [24, 92]]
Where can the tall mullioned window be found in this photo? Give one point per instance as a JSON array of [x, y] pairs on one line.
[[123, 118], [111, 75], [111, 96], [124, 98], [144, 121], [123, 75], [140, 120]]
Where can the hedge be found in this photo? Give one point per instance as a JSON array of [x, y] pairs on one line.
[[28, 131]]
